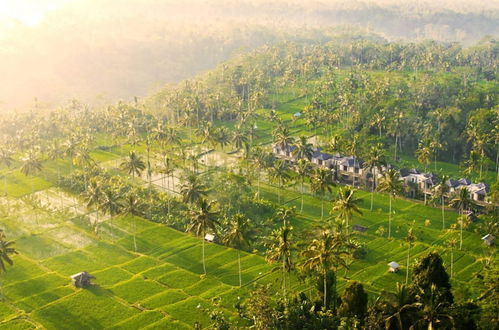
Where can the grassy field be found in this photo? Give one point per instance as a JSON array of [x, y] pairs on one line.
[[372, 270], [159, 285]]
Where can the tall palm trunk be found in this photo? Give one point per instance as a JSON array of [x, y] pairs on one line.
[[443, 212], [239, 265], [372, 193], [390, 218], [325, 287], [204, 265], [284, 275], [407, 267], [451, 260], [134, 233], [322, 207], [301, 206]]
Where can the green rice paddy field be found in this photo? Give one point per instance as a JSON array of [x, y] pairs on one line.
[[160, 285]]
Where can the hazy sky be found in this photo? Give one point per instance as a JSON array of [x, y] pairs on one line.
[[29, 12], [58, 49]]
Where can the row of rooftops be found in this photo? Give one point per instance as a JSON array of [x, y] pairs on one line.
[[353, 162], [350, 161], [454, 185]]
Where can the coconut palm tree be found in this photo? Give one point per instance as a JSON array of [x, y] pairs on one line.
[[133, 164], [279, 249], [263, 160], [325, 252], [322, 182], [423, 153], [240, 138], [6, 250], [410, 238], [132, 206], [111, 202], [6, 160], [279, 173], [346, 204], [223, 137], [31, 166], [93, 197], [304, 149], [282, 136], [399, 306], [373, 164], [202, 216], [237, 235], [432, 311], [451, 243], [463, 220], [302, 168], [192, 188], [391, 184], [439, 192], [462, 201]]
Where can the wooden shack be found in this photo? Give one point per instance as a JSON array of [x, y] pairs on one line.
[[394, 267]]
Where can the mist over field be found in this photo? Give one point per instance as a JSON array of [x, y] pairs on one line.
[[102, 50]]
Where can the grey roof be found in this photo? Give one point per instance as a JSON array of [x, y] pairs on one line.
[[350, 161], [464, 181], [404, 172], [321, 155]]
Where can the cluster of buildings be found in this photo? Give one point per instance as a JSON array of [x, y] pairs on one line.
[[350, 170]]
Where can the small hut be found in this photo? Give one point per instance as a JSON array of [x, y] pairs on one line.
[[394, 267], [82, 280], [488, 239], [209, 238], [297, 114]]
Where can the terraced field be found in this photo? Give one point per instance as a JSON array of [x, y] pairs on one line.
[[160, 285]]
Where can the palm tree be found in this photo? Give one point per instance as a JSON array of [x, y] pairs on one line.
[[237, 236], [263, 160], [463, 220], [93, 197], [202, 217], [240, 138], [133, 164], [303, 150], [323, 253], [462, 201], [302, 168], [391, 184], [375, 161], [31, 166], [346, 204], [132, 206], [282, 136], [6, 250], [432, 310], [451, 243], [279, 247], [439, 193], [410, 238], [111, 202], [398, 304], [6, 160], [192, 189], [423, 153], [322, 181], [223, 137], [279, 173]]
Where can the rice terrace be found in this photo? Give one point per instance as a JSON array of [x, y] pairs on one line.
[[324, 176]]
